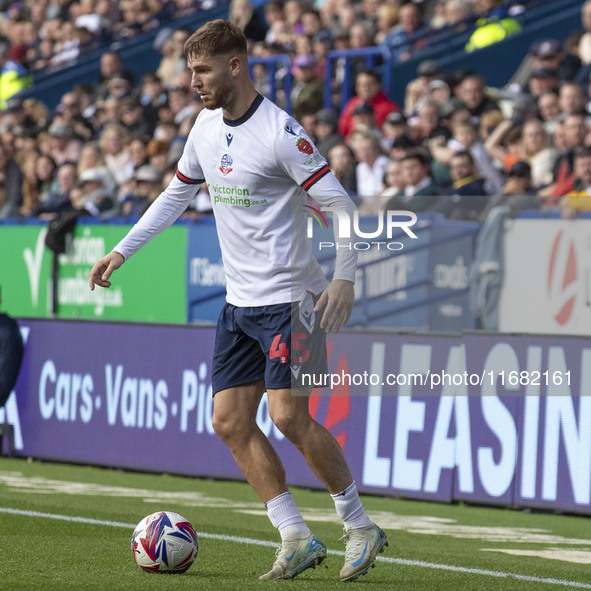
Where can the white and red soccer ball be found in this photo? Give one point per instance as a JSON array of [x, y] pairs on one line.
[[164, 542]]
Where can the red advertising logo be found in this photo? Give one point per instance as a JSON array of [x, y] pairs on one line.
[[562, 278], [333, 411]]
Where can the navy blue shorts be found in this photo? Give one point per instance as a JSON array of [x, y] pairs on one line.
[[279, 344]]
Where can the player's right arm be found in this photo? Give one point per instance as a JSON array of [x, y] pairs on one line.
[[165, 210], [103, 269]]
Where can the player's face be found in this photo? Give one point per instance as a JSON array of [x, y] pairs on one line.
[[212, 79]]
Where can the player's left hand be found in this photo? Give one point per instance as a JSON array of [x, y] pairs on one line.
[[337, 300]]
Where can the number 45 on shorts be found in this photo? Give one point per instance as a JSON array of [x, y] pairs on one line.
[[280, 350]]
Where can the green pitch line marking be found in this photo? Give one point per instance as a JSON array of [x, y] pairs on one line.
[[252, 541]]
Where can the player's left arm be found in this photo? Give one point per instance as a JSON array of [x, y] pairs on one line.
[[301, 160], [338, 298]]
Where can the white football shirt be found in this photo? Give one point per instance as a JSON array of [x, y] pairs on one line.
[[259, 170]]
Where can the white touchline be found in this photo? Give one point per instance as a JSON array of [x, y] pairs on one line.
[[252, 541]]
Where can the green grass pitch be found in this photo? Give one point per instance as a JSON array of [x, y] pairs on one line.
[[69, 527]]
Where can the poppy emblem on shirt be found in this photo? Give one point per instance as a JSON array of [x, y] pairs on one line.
[[226, 167], [304, 146]]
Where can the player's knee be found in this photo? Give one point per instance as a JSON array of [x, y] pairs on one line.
[[287, 422], [226, 426]]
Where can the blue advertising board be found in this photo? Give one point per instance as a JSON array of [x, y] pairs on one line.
[[206, 282], [482, 418]]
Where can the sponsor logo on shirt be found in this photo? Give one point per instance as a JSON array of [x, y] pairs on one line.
[[226, 164], [304, 146], [313, 161], [235, 196]]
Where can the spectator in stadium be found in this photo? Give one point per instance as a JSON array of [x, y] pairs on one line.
[[172, 61], [368, 90], [69, 112], [393, 182], [488, 123], [45, 176], [11, 185], [151, 91], [118, 87], [504, 144], [465, 138], [14, 72], [387, 19], [158, 155], [138, 151], [273, 11], [401, 145], [419, 192], [311, 23], [428, 125], [93, 196], [558, 140], [571, 99], [91, 157], [417, 89], [242, 14], [58, 201], [138, 120], [579, 199], [517, 193], [322, 43], [457, 14], [15, 119], [471, 92], [26, 162], [67, 50], [542, 80], [181, 103], [575, 131], [547, 54], [395, 124], [551, 54], [405, 38], [113, 143], [308, 89], [327, 135], [371, 163], [549, 110], [584, 47], [360, 36], [217, 57], [538, 153], [439, 91], [142, 191], [64, 147], [341, 160], [364, 122], [468, 196], [110, 68]]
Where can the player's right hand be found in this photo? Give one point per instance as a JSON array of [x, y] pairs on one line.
[[103, 269]]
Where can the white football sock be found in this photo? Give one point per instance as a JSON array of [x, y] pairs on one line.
[[349, 508], [286, 517]]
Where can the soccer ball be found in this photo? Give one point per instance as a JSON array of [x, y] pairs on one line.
[[164, 542]]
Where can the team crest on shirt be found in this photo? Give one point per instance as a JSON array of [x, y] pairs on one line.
[[226, 164], [304, 146]]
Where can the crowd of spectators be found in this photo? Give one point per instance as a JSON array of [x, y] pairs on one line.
[[454, 147]]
